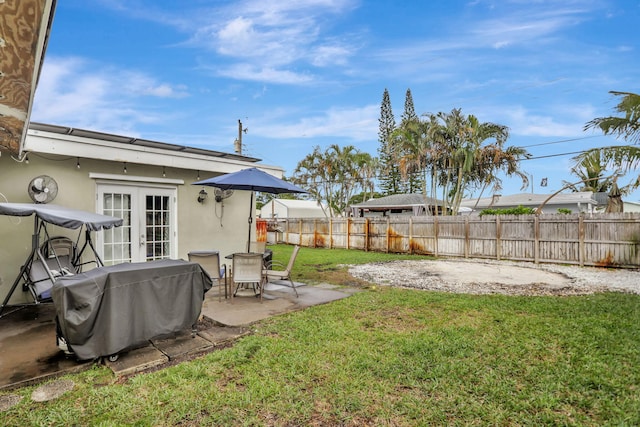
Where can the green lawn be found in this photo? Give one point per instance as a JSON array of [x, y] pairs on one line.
[[386, 357]]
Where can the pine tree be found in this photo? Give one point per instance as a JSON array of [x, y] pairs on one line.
[[413, 184], [409, 111], [390, 174]]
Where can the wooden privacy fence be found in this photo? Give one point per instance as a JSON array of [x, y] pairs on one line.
[[611, 240]]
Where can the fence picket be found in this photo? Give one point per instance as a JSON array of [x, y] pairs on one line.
[[596, 240]]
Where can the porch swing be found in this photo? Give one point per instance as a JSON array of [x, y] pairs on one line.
[[56, 256]]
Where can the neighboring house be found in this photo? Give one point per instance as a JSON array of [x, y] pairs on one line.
[[577, 202], [147, 183], [397, 204], [289, 208], [603, 199], [631, 206]]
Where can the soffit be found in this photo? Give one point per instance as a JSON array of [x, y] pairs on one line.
[[24, 33]]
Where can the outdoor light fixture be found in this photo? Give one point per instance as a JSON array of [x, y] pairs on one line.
[[164, 173], [125, 168], [202, 196], [78, 163]]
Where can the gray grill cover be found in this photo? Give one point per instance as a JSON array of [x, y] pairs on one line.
[[108, 309]]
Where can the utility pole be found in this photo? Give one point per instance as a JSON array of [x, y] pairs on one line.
[[237, 145]]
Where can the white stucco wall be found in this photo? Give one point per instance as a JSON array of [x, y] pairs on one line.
[[208, 226]]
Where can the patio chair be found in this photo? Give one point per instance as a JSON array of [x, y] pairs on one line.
[[282, 274], [258, 247], [247, 269], [210, 262]]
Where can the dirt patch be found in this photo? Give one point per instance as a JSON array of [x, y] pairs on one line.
[[490, 277]]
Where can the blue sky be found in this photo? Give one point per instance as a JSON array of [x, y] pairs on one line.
[[308, 73]]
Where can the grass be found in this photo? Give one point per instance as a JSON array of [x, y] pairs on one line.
[[319, 265], [387, 357]]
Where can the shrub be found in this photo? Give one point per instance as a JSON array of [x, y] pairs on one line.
[[520, 210]]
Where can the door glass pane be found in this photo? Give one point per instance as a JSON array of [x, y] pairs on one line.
[[158, 227], [117, 240]]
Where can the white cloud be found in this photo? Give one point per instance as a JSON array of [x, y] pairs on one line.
[[73, 92], [566, 121], [329, 55], [136, 83], [263, 74], [358, 124], [267, 36]]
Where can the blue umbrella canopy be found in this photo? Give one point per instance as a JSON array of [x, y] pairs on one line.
[[251, 179]]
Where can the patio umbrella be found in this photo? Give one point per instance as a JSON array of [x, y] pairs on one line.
[[251, 179]]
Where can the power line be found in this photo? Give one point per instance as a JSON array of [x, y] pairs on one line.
[[561, 141], [572, 152]]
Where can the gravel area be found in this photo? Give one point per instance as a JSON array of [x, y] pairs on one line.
[[498, 277]]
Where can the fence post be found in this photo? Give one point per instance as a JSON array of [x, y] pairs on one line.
[[581, 233], [498, 237], [300, 231], [388, 233], [315, 232], [330, 233], [410, 235], [366, 234], [436, 235], [466, 237], [536, 239], [286, 221], [348, 232]]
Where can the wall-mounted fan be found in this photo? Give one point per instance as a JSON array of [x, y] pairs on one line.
[[43, 189], [220, 194]]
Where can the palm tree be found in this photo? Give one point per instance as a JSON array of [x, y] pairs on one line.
[[367, 168], [314, 175], [627, 127], [589, 167], [623, 158], [417, 151], [455, 151], [335, 175], [343, 161], [485, 157]]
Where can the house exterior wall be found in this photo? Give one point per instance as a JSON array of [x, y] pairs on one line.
[[208, 226], [273, 210], [631, 206], [580, 202], [551, 208], [276, 208]]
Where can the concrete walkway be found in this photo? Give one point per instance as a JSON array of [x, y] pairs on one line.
[[28, 351]]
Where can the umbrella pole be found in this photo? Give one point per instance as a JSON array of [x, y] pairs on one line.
[[250, 222]]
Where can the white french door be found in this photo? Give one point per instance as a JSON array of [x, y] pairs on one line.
[[149, 229]]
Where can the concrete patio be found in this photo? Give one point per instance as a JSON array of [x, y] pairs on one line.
[[28, 351]]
